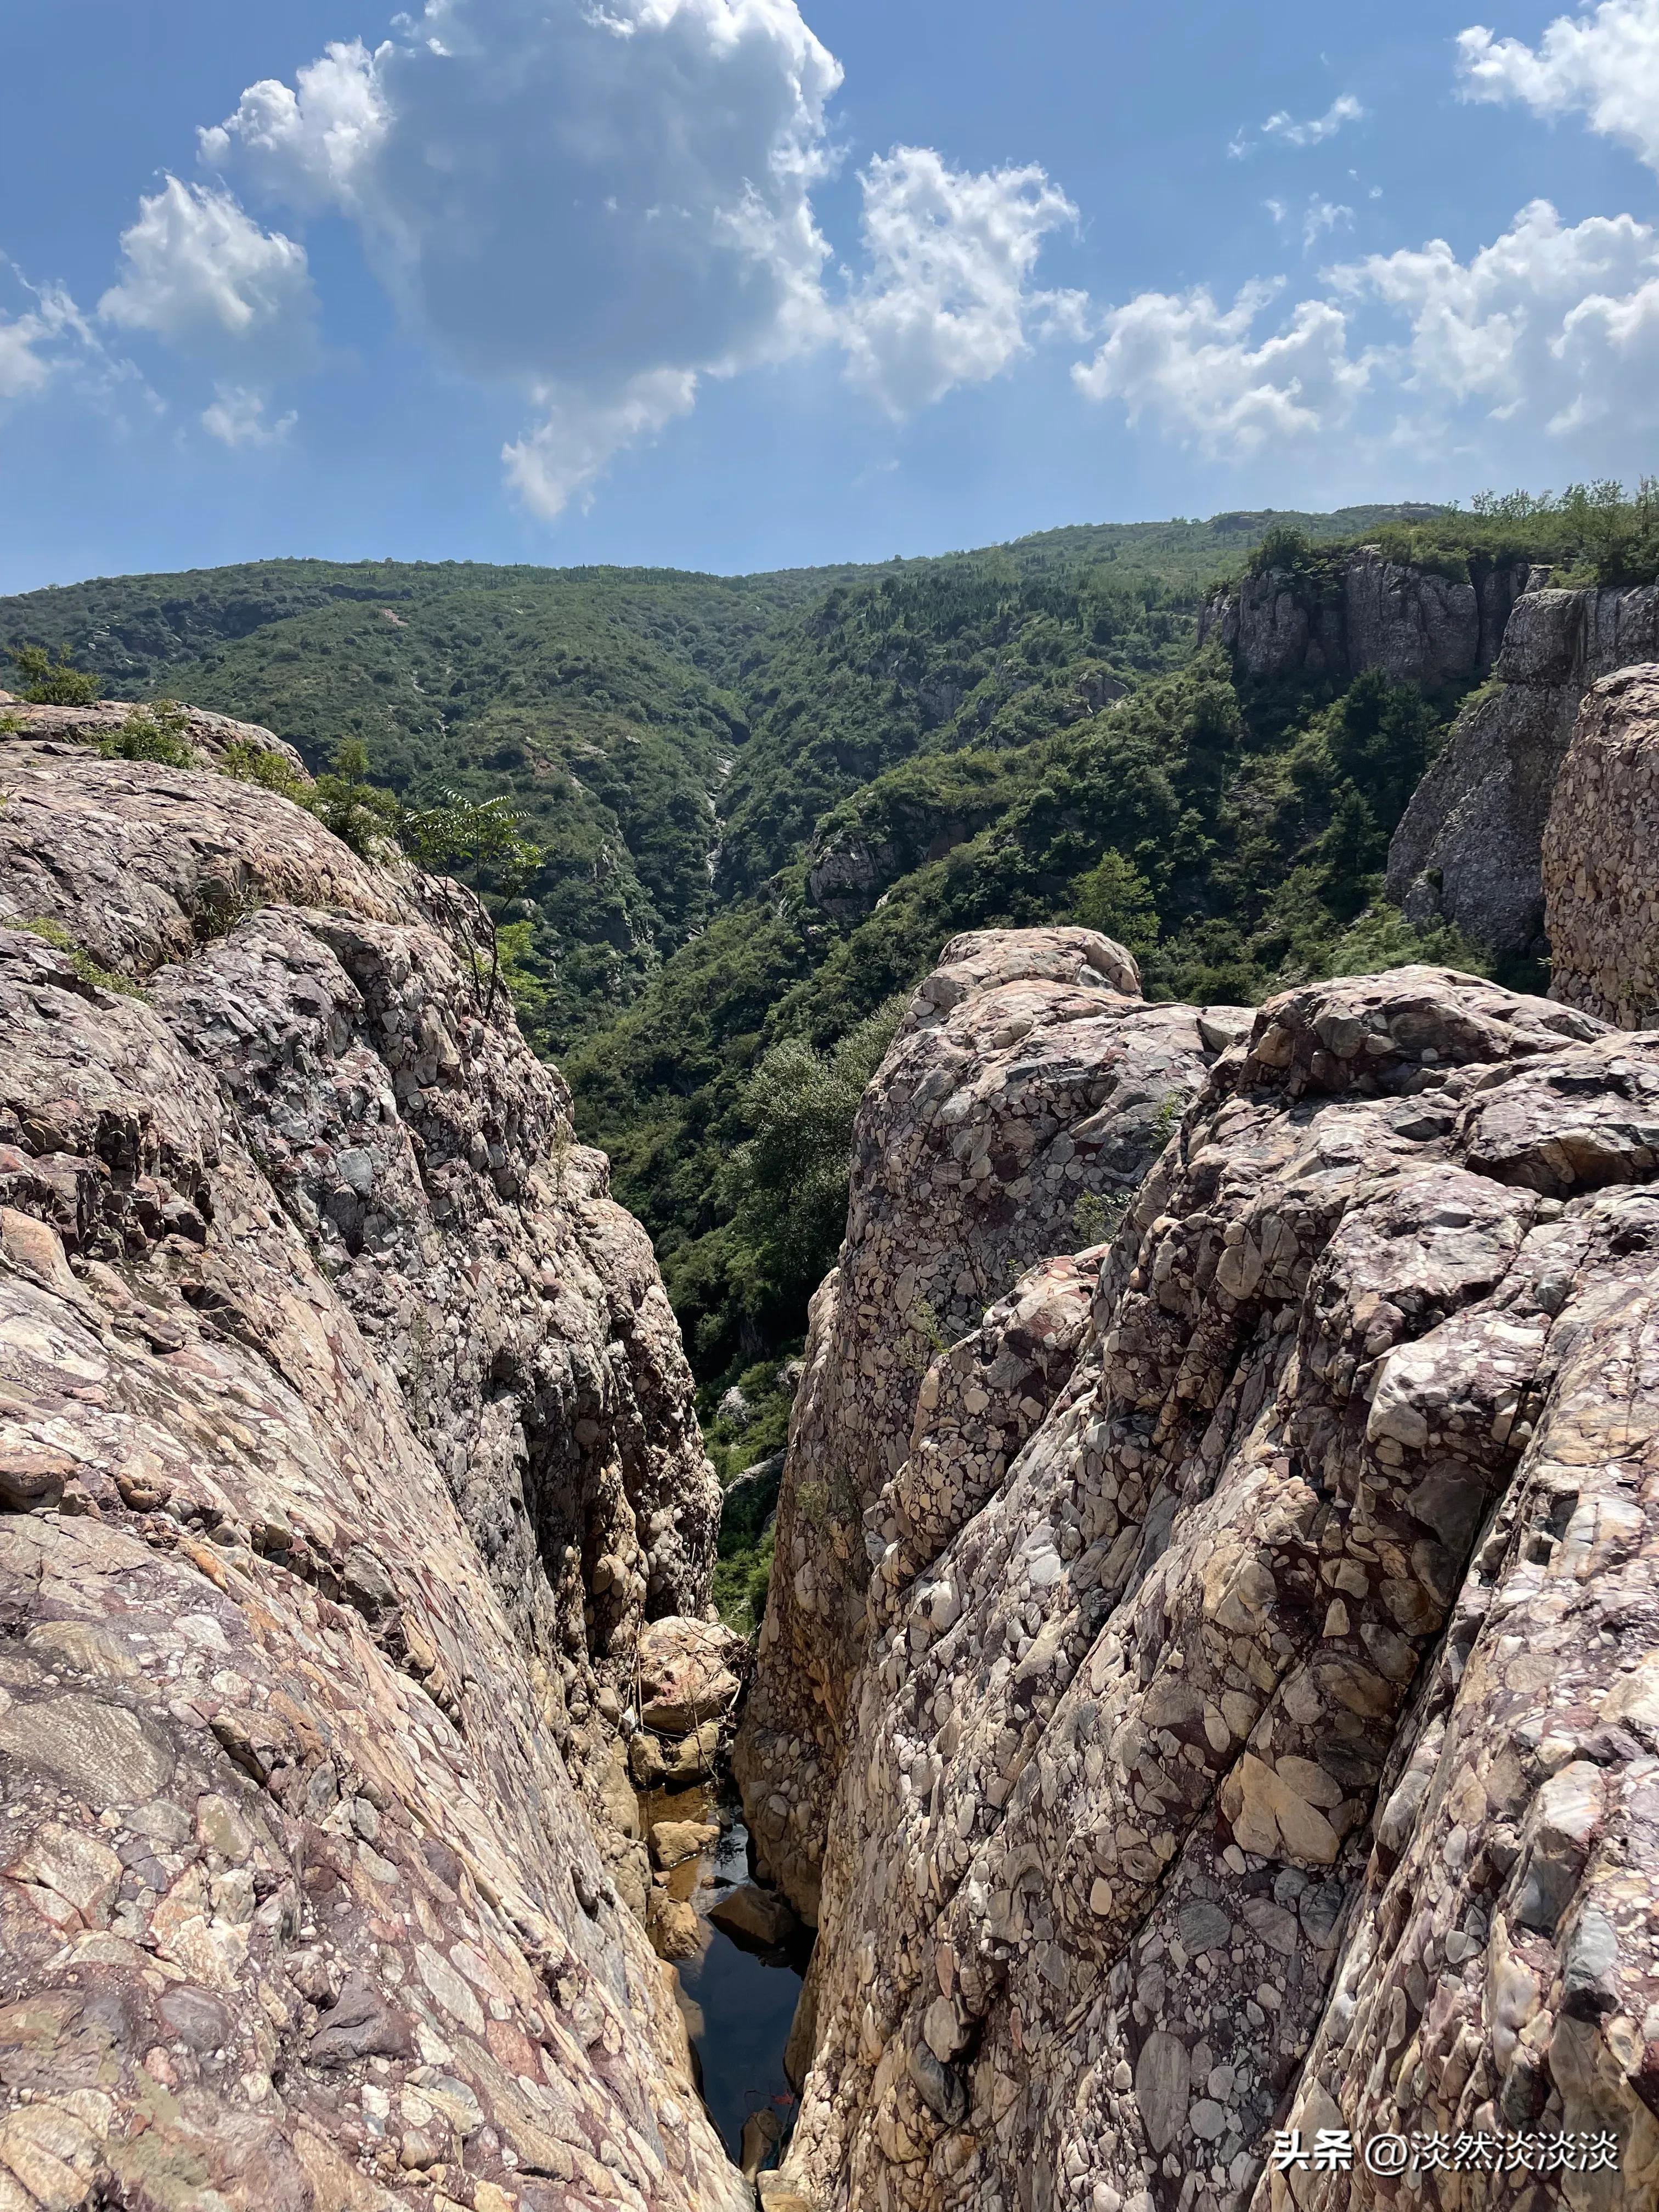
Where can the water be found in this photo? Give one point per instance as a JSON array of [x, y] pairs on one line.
[[739, 2003]]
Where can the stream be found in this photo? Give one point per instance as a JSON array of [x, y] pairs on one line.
[[739, 1997]]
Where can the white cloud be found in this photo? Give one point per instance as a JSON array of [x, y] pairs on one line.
[[1195, 367], [200, 273], [237, 417], [606, 201], [563, 458], [948, 300], [1604, 66], [1321, 216], [36, 344], [1549, 325], [1283, 127]]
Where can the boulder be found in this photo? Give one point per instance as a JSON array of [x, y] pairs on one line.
[[690, 1672], [673, 1762], [754, 1916], [674, 1842]]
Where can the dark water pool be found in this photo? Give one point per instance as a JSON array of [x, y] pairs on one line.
[[746, 2004], [739, 2003]]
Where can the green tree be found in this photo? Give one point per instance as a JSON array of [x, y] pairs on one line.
[[1116, 899], [484, 836], [54, 682]]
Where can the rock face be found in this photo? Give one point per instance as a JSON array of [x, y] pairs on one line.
[[332, 1379], [1027, 1076], [1467, 847], [1375, 613], [1600, 856], [1274, 1741], [209, 734]]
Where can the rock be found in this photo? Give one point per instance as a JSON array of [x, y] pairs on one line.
[[1600, 854], [304, 1768], [1027, 1075], [735, 1408], [673, 1842], [777, 2194], [763, 2132], [1467, 848], [1418, 627], [751, 1915], [751, 1497], [1262, 1744], [670, 1763], [690, 1672], [675, 1927]]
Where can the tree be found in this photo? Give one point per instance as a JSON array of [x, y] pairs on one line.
[[478, 834], [1116, 899], [54, 682]]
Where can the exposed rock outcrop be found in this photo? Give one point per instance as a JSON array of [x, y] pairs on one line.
[[1601, 855], [349, 1446], [1271, 1742], [1028, 1077], [209, 734], [1467, 847], [1372, 613]]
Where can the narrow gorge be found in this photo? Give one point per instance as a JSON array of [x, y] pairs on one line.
[[1208, 1688]]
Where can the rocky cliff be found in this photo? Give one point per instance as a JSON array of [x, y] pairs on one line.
[[1467, 847], [1370, 612], [1600, 856], [1252, 1720], [348, 1447], [1024, 1094]]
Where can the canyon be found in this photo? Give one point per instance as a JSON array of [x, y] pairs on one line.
[[1209, 1684]]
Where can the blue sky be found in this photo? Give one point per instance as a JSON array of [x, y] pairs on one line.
[[741, 283]]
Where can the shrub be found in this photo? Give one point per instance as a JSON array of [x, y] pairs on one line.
[[246, 762], [54, 682], [1116, 899], [358, 812], [156, 732], [54, 933]]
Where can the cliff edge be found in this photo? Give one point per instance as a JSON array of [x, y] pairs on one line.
[[347, 1446]]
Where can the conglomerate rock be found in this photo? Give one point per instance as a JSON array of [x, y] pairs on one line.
[[1600, 858], [1272, 1743], [1467, 848], [1028, 1082], [348, 1445]]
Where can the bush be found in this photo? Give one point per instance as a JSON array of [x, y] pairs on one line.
[[1116, 899], [152, 734], [358, 812], [246, 762], [54, 682]]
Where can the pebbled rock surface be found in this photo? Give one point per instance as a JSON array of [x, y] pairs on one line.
[[334, 1383], [1374, 613], [1469, 844], [1601, 855], [1273, 1741], [1027, 1075]]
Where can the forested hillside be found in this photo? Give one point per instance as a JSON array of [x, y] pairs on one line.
[[762, 803]]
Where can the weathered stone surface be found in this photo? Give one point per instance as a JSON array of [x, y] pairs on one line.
[[1469, 844], [1416, 626], [209, 736], [1269, 1745], [1601, 855], [754, 1915], [347, 1373], [690, 1671], [1027, 1089]]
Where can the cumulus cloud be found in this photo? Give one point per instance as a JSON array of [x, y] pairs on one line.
[[39, 343], [948, 300], [1312, 131], [199, 271], [607, 204], [563, 458], [1551, 329], [237, 417], [1198, 370], [1603, 66], [1558, 324]]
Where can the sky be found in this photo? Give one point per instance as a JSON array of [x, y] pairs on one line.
[[745, 284]]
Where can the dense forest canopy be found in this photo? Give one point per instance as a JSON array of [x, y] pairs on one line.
[[758, 807]]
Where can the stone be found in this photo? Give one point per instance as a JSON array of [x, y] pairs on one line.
[[312, 1797], [675, 1928], [673, 1842], [1600, 872], [690, 1672], [670, 1763], [754, 1915]]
